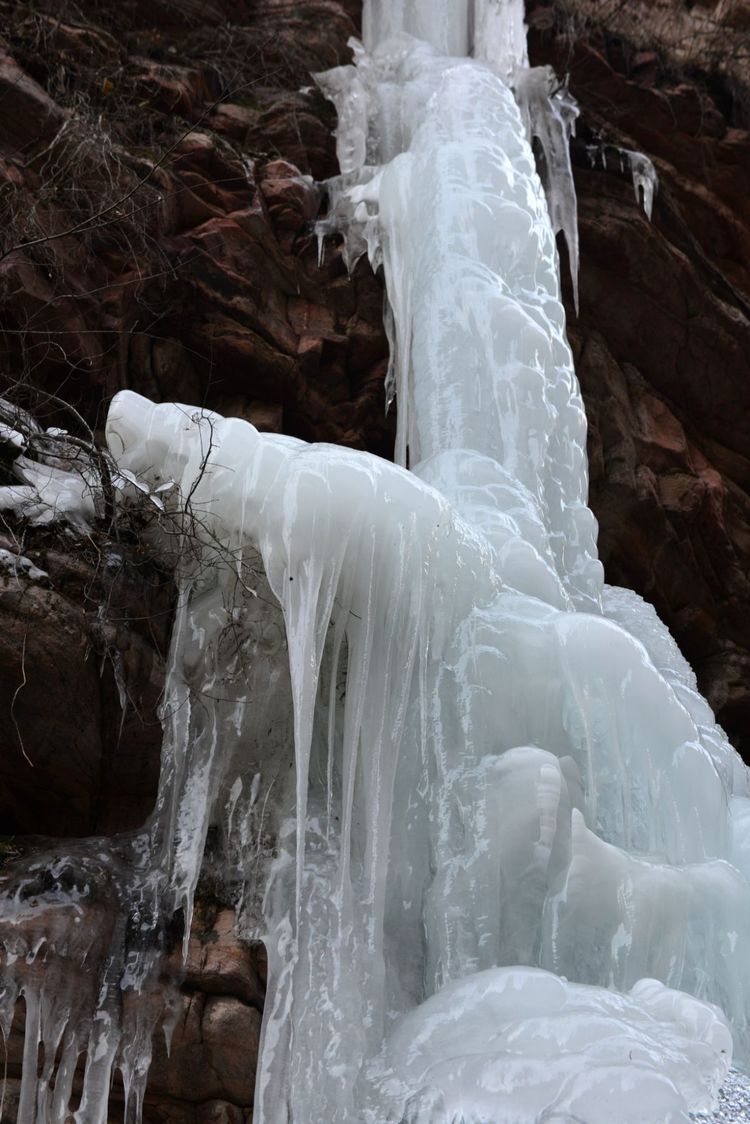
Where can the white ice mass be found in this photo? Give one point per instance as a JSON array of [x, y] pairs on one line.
[[470, 797]]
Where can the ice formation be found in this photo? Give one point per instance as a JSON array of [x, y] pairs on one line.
[[635, 164], [450, 770], [538, 1048], [645, 180], [48, 493], [56, 478]]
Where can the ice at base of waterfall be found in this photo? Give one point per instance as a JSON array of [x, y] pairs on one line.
[[522, 1046], [519, 873], [734, 1102]]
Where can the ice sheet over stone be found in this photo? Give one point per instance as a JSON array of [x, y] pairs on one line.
[[64, 919]]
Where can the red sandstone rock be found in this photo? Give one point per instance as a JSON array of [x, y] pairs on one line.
[[661, 348], [71, 646], [30, 115], [292, 200], [218, 962], [213, 1053]]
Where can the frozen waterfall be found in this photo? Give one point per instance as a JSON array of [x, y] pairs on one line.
[[469, 796]]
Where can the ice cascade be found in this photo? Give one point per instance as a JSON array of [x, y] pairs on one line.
[[468, 795]]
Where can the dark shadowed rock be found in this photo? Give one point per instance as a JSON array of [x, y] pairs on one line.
[[81, 673], [30, 116]]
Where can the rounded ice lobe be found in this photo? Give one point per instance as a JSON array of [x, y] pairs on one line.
[[522, 1046]]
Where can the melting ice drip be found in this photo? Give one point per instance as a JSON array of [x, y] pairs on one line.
[[452, 771]]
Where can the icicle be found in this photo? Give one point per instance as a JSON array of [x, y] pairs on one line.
[[635, 164], [549, 114], [645, 179]]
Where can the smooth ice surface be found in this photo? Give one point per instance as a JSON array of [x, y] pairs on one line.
[[518, 1045], [446, 769]]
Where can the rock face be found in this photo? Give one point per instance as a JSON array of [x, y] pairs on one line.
[[154, 238], [81, 673], [159, 168], [662, 344]]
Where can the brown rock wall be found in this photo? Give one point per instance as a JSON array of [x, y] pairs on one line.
[[662, 343], [154, 239], [81, 674]]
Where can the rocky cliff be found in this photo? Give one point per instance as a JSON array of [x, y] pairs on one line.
[[661, 342], [160, 169]]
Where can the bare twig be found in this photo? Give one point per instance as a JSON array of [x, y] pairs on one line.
[[18, 689]]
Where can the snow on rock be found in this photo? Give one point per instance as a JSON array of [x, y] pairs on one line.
[[19, 564], [49, 494]]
